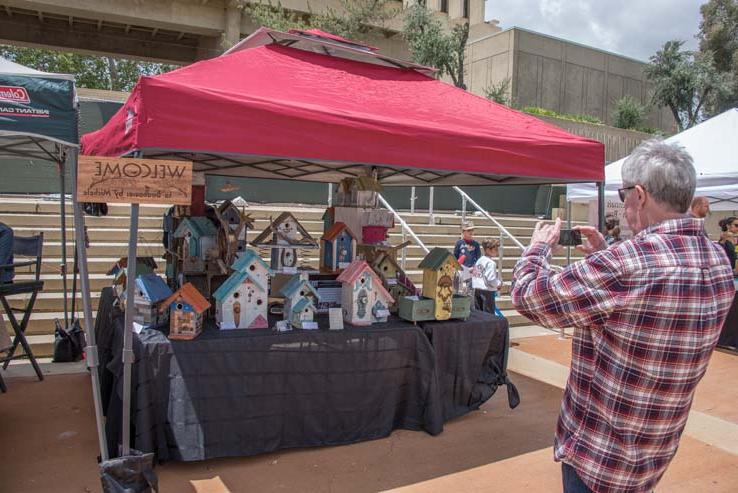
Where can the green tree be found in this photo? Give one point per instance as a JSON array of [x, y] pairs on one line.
[[686, 82], [719, 40], [431, 45], [354, 20], [500, 92], [629, 113], [94, 72]]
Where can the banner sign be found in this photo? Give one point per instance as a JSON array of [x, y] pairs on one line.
[[134, 181], [39, 105]]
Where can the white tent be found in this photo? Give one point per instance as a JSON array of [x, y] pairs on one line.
[[713, 145]]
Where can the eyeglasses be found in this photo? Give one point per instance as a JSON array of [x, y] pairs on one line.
[[621, 192]]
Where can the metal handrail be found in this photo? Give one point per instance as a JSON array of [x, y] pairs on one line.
[[405, 226], [502, 228]]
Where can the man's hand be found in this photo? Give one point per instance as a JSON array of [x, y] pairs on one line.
[[594, 241], [547, 233]]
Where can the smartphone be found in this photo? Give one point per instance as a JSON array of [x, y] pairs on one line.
[[570, 237]]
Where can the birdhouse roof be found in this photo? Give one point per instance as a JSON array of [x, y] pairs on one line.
[[153, 287], [264, 240], [336, 230], [228, 205], [246, 258], [294, 285], [302, 304], [356, 269], [144, 265], [233, 282], [199, 226], [436, 258], [191, 296], [383, 257]]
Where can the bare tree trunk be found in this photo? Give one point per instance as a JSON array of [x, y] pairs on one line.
[[113, 69]]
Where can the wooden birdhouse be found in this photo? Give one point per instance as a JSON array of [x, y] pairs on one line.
[[301, 314], [199, 250], [186, 312], [393, 278], [296, 289], [241, 302], [284, 236], [338, 248], [144, 265], [234, 227], [439, 268], [358, 192], [151, 290], [364, 299]]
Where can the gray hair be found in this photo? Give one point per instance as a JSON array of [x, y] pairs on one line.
[[666, 171]]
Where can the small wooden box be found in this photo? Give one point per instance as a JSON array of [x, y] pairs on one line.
[[461, 306], [417, 308]]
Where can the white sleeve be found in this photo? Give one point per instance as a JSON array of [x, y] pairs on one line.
[[490, 275]]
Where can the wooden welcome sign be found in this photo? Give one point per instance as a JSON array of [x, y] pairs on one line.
[[134, 181]]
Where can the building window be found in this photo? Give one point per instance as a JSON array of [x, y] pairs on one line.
[[444, 6], [465, 12]]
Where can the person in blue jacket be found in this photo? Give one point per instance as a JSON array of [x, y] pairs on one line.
[[467, 250]]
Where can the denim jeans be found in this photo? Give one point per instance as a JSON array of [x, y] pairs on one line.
[[572, 482]]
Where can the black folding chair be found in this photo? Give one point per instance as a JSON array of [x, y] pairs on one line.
[[30, 247]]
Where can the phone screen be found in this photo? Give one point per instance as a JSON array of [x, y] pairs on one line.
[[570, 237]]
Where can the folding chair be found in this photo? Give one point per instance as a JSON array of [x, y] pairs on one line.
[[23, 247]]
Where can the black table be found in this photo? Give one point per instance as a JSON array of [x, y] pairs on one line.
[[729, 335], [244, 392]]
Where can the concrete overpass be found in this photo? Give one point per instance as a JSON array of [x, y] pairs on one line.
[[171, 31]]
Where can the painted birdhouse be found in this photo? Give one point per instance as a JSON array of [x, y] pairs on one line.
[[393, 278], [296, 289], [301, 314], [339, 248], [151, 290], [364, 299], [199, 249], [358, 192], [144, 265], [234, 226], [241, 302], [439, 268], [284, 236], [186, 312]]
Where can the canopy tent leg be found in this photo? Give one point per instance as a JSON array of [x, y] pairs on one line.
[[63, 201], [84, 279], [128, 331], [601, 206]]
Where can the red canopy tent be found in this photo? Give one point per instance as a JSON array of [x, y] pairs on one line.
[[305, 107]]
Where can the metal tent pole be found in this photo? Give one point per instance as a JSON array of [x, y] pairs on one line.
[[91, 355], [601, 206], [128, 328], [63, 202]]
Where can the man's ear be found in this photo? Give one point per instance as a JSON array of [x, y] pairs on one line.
[[642, 195]]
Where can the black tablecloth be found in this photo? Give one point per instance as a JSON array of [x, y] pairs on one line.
[[729, 335], [243, 392]]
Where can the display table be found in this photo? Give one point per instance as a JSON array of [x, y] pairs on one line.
[[729, 335], [244, 392]]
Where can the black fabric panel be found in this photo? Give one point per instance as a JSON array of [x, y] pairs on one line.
[[471, 359]]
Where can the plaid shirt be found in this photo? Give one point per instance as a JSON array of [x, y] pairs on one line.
[[647, 314]]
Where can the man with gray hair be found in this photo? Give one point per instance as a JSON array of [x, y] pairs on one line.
[[647, 313]]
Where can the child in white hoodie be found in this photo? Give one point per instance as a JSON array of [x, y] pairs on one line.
[[484, 278]]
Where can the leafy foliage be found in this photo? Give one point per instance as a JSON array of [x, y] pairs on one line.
[[629, 113], [534, 110], [500, 92], [355, 19], [94, 72], [719, 41], [431, 45], [687, 83]]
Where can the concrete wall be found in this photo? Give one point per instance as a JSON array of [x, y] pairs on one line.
[[559, 75]]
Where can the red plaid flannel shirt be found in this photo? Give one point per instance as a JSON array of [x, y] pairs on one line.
[[647, 314]]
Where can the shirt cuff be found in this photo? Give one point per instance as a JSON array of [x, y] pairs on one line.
[[538, 249]]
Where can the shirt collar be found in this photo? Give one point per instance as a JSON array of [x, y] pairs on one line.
[[684, 226]]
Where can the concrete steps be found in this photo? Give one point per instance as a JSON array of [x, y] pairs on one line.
[[109, 241]]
